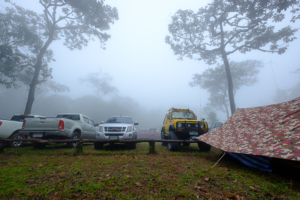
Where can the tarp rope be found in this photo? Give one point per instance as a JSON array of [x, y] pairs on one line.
[[219, 160]]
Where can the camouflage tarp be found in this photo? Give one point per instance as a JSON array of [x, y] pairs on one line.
[[272, 131]]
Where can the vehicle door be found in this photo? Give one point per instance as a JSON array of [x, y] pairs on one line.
[[93, 128], [86, 128], [168, 122]]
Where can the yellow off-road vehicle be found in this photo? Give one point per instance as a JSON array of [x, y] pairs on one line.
[[182, 124]]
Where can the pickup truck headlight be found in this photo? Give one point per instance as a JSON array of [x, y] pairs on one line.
[[129, 129]]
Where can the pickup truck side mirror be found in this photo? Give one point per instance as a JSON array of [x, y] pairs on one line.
[[102, 122], [136, 123]]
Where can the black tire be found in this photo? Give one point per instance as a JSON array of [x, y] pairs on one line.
[[186, 144], [74, 136], [133, 145], [162, 136], [37, 145], [16, 144], [98, 145], [203, 146], [173, 146]]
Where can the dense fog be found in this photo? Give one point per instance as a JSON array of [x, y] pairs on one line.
[[148, 78]]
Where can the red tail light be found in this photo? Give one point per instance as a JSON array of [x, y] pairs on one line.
[[0, 123], [61, 124], [23, 126]]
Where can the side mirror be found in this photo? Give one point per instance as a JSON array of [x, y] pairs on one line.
[[102, 122], [136, 123], [97, 124]]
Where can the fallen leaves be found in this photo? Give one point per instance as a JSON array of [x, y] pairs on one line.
[[138, 184], [228, 194]]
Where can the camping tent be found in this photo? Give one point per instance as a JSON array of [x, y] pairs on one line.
[[271, 131]]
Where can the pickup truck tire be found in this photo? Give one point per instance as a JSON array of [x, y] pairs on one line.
[[75, 136], [186, 144], [16, 144], [39, 145], [173, 146], [203, 146], [162, 136], [98, 145]]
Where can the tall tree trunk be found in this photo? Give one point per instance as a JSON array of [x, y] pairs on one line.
[[224, 103], [230, 84], [37, 69]]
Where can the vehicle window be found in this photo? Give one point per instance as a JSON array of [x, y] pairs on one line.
[[20, 118], [183, 115], [169, 116], [72, 117], [126, 120], [86, 120], [92, 122], [213, 126]]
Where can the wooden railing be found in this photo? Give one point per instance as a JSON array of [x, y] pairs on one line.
[[81, 141]]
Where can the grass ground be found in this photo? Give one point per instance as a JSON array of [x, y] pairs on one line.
[[118, 172]]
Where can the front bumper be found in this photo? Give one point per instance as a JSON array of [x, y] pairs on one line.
[[119, 135]]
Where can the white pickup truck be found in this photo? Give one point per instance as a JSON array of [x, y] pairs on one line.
[[63, 126], [9, 130]]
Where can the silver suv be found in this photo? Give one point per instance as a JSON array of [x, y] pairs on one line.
[[117, 127]]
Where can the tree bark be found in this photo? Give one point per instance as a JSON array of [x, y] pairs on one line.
[[230, 84], [37, 69]]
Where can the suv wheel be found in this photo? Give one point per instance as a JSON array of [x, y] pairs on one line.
[[203, 146], [186, 144], [173, 146], [98, 145], [162, 136], [75, 136]]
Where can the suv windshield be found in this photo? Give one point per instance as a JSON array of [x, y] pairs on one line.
[[182, 115], [126, 120]]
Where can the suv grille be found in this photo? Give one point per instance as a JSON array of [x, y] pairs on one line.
[[114, 129], [114, 134], [188, 125]]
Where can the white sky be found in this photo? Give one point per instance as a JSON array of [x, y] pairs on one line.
[[144, 67]]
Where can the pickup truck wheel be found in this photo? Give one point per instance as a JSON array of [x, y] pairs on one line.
[[186, 144], [98, 145], [173, 146], [203, 146], [162, 136], [39, 145], [75, 136], [16, 144]]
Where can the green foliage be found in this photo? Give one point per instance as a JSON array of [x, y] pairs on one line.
[[225, 27], [215, 81], [101, 83], [222, 26], [19, 44]]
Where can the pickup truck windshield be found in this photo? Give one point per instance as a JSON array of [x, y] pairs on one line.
[[182, 115], [72, 117], [126, 120]]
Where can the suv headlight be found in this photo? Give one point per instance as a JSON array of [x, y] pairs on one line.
[[101, 129], [179, 125], [202, 126], [129, 129], [97, 135]]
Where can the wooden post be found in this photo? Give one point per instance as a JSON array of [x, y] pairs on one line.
[[2, 144], [151, 147], [78, 149]]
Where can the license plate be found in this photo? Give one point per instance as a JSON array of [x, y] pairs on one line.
[[193, 133], [37, 135], [113, 137]]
